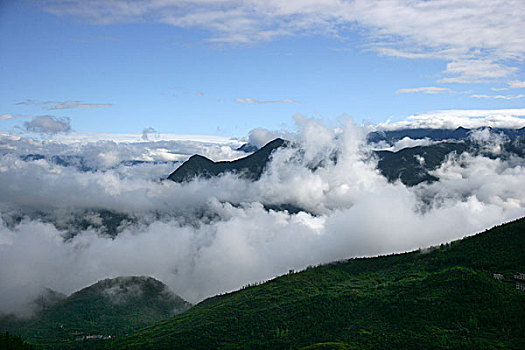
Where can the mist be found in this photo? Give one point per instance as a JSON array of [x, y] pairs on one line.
[[215, 235]]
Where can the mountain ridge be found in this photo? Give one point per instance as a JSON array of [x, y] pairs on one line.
[[250, 167], [410, 165]]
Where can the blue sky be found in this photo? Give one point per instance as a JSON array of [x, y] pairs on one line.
[[225, 67]]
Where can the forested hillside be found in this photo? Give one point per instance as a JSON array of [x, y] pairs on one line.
[[443, 297]]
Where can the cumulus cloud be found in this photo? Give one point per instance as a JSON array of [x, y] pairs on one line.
[[48, 124], [192, 236], [149, 131], [467, 118], [475, 48], [425, 90], [261, 136], [258, 102]]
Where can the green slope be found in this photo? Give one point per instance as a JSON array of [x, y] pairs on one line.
[[110, 307], [445, 297]]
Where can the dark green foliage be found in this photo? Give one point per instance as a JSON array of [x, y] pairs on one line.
[[14, 342], [110, 307], [329, 346], [441, 298], [250, 167]]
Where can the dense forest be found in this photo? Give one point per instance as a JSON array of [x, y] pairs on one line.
[[14, 342], [460, 295]]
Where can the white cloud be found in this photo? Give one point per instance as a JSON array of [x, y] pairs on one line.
[[481, 41], [191, 238], [405, 142], [261, 136], [499, 97], [517, 84], [467, 118], [48, 124], [258, 102], [475, 71], [425, 90], [86, 137]]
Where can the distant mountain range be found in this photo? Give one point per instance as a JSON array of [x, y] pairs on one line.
[[469, 294], [411, 165], [439, 134], [108, 308], [81, 164]]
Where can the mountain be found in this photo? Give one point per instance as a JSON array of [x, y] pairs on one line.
[[82, 164], [460, 295], [411, 165], [107, 308], [248, 148], [250, 167], [460, 133]]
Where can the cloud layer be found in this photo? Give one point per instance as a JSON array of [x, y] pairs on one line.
[[212, 236], [467, 118]]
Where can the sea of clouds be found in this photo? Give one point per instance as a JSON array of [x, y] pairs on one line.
[[215, 235]]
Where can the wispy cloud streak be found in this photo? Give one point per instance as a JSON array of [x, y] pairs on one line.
[[260, 102], [58, 105], [425, 90]]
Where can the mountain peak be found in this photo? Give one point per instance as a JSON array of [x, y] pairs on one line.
[[250, 167]]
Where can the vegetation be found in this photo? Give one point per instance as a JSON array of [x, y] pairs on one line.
[[14, 342], [105, 309], [445, 297]]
